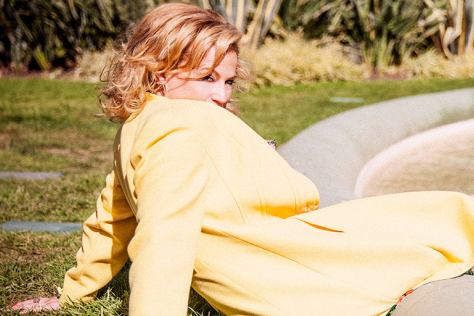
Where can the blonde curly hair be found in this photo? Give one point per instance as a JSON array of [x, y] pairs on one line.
[[171, 39]]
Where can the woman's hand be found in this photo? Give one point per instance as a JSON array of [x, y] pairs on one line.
[[36, 305]]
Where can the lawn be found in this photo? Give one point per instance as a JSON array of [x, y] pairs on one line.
[[47, 126]]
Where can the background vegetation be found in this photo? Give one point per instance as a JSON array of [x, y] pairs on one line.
[[42, 34], [381, 32], [45, 126], [368, 37]]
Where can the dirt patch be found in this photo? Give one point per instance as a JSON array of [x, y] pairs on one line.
[[10, 255], [73, 153], [58, 73], [375, 75], [81, 155], [5, 141]]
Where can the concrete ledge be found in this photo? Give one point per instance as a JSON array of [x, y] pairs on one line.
[[30, 175], [332, 152], [441, 158], [40, 227]]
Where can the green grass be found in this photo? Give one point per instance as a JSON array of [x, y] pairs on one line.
[[46, 126], [32, 264]]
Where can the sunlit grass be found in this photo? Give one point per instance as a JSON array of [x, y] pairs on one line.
[[33, 264]]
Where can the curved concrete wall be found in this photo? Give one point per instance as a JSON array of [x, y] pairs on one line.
[[332, 152], [440, 158]]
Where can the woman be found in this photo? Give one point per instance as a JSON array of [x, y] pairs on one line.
[[197, 198]]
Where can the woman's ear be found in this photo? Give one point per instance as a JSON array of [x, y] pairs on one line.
[[160, 86], [160, 79]]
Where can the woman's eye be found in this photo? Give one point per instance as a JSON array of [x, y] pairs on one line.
[[208, 78], [230, 82]]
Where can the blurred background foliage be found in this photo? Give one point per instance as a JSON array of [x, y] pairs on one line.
[[42, 34], [456, 33], [381, 32], [252, 19], [358, 38]]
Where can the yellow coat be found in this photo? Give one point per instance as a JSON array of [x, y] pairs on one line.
[[197, 197]]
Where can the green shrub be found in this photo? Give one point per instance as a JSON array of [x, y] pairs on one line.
[[386, 31], [46, 33]]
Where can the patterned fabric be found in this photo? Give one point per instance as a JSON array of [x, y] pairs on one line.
[[390, 312], [271, 142]]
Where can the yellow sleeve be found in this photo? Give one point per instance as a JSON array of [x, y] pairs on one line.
[[106, 235], [171, 172]]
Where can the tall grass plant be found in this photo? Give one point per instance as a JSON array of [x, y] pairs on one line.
[[42, 34], [386, 32]]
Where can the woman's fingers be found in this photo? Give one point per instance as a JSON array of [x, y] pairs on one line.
[[36, 305]]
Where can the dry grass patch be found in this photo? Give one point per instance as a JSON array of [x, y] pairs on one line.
[[91, 64], [432, 65], [296, 60]]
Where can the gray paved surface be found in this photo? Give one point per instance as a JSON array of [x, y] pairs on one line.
[[333, 151], [40, 226], [30, 175]]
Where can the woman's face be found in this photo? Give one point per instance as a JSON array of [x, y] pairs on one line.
[[214, 88]]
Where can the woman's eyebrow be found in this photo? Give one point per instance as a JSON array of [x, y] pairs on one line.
[[219, 75]]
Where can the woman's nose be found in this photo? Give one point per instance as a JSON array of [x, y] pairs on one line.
[[221, 94]]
